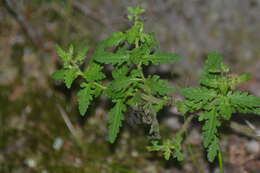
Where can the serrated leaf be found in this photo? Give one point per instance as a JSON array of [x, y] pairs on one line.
[[135, 11], [120, 84], [243, 78], [70, 76], [159, 86], [214, 63], [116, 116], [112, 58], [210, 128], [120, 72], [60, 52], [244, 100], [178, 154], [182, 107], [137, 54], [212, 81], [161, 58], [81, 55], [85, 96], [213, 149], [93, 73], [115, 39], [132, 34], [103, 56], [71, 51], [58, 75], [225, 108], [198, 94]]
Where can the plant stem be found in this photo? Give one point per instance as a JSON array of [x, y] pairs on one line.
[[195, 160], [100, 86], [220, 161], [185, 125]]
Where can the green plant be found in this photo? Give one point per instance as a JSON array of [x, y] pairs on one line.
[[128, 52], [216, 100]]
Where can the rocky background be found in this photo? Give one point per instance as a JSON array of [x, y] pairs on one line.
[[41, 130]]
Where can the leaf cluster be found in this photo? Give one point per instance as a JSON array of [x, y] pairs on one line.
[[216, 100], [128, 52], [169, 148]]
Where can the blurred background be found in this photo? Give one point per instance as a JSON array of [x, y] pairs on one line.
[[41, 130]]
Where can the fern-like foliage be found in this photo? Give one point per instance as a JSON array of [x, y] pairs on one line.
[[128, 52], [216, 100], [169, 148]]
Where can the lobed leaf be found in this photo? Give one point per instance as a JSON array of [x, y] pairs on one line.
[[116, 117], [85, 96], [70, 76], [93, 73], [213, 149], [161, 58], [244, 102], [159, 86], [198, 94], [214, 63], [59, 75]]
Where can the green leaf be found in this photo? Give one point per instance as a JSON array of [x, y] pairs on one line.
[[198, 94], [214, 63], [85, 96], [159, 86], [243, 78], [210, 139], [213, 81], [112, 58], [182, 107], [210, 128], [169, 148], [60, 52], [116, 116], [93, 73], [213, 149], [121, 83], [135, 11], [161, 58], [225, 108], [58, 75], [132, 34], [244, 100], [114, 40], [81, 55], [70, 76], [155, 146], [120, 72], [71, 51], [63, 55], [178, 154], [103, 56]]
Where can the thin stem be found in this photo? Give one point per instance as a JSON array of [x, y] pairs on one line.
[[185, 125], [139, 67], [100, 86], [195, 160], [220, 161]]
